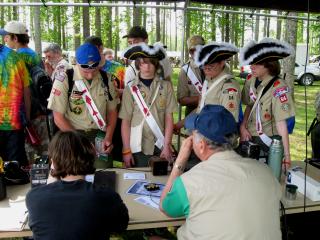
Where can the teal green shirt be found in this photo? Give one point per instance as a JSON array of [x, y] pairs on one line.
[[176, 202]]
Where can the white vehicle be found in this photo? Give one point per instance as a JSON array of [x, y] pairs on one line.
[[307, 78]]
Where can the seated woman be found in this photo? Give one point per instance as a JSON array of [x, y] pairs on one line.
[[146, 111], [267, 97], [72, 208]]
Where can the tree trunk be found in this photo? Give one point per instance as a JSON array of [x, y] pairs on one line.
[[117, 30], [2, 9], [222, 26], [257, 27], [85, 21], [76, 27], [164, 26], [243, 29], [187, 32], [64, 42], [279, 24], [108, 24], [291, 38], [97, 21], [37, 29], [227, 27], [176, 31], [15, 11], [58, 23], [213, 24], [158, 37], [137, 16], [144, 22], [268, 25]]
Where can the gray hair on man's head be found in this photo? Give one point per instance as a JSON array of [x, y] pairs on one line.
[[53, 47], [232, 141]]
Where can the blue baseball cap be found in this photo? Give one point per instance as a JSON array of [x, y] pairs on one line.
[[87, 53], [214, 122]]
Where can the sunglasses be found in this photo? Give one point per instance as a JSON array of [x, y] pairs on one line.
[[90, 66]]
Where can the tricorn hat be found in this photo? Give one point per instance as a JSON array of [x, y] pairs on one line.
[[142, 50], [267, 50], [214, 52]]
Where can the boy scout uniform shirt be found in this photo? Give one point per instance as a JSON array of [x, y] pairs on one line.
[[165, 103], [185, 86], [226, 93], [275, 105], [60, 69], [74, 109]]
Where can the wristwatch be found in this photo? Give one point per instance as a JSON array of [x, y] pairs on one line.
[[179, 167]]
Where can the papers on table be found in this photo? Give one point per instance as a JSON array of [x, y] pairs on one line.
[[149, 201], [14, 220], [134, 176], [139, 189]]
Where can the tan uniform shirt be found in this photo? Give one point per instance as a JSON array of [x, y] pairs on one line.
[[165, 103], [185, 86], [275, 105], [231, 197], [74, 108], [60, 69], [131, 70], [226, 93]]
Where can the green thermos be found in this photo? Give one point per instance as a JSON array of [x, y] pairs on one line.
[[275, 156]]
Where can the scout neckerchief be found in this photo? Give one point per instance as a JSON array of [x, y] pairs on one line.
[[205, 92], [147, 114], [195, 81], [264, 137], [91, 106]]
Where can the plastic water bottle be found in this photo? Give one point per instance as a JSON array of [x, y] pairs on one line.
[[275, 156], [99, 146]]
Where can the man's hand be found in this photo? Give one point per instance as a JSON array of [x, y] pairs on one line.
[[107, 146], [167, 153], [128, 160], [245, 135], [177, 126]]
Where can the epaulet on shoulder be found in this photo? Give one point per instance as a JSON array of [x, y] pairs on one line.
[[249, 76]]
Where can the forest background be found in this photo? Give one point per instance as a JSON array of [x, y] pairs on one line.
[[69, 26]]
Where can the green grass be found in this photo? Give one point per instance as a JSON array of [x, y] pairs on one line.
[[298, 138]]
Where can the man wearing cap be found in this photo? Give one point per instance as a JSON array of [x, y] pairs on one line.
[[55, 64], [90, 107], [14, 102], [147, 109], [225, 196], [190, 78], [138, 34], [267, 97]]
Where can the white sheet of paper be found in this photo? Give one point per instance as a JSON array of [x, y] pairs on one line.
[[149, 201], [14, 220], [134, 176]]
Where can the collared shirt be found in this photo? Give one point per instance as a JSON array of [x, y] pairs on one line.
[[226, 93], [226, 197], [60, 70], [14, 78], [165, 103], [74, 109], [185, 86], [275, 105], [131, 70]]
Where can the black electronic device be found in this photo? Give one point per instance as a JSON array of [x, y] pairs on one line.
[[159, 166], [249, 149], [105, 179], [39, 174]]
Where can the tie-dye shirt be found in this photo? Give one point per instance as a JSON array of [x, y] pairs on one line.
[[117, 70], [30, 57], [14, 77]]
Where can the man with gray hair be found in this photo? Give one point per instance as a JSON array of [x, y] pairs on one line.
[[55, 64], [225, 196]]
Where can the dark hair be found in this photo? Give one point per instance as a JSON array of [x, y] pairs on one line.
[[72, 154], [153, 61], [273, 67], [22, 38], [94, 41]]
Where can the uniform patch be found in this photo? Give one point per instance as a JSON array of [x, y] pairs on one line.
[[249, 76], [280, 91], [56, 92], [60, 76], [231, 97], [276, 83], [77, 110], [285, 107], [283, 98], [143, 94], [267, 116], [77, 101], [231, 106]]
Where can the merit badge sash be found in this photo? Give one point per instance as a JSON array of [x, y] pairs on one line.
[[195, 81], [205, 91], [148, 117], [91, 106], [264, 137]]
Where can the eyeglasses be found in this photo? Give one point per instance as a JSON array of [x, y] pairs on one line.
[[90, 66], [208, 67]]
